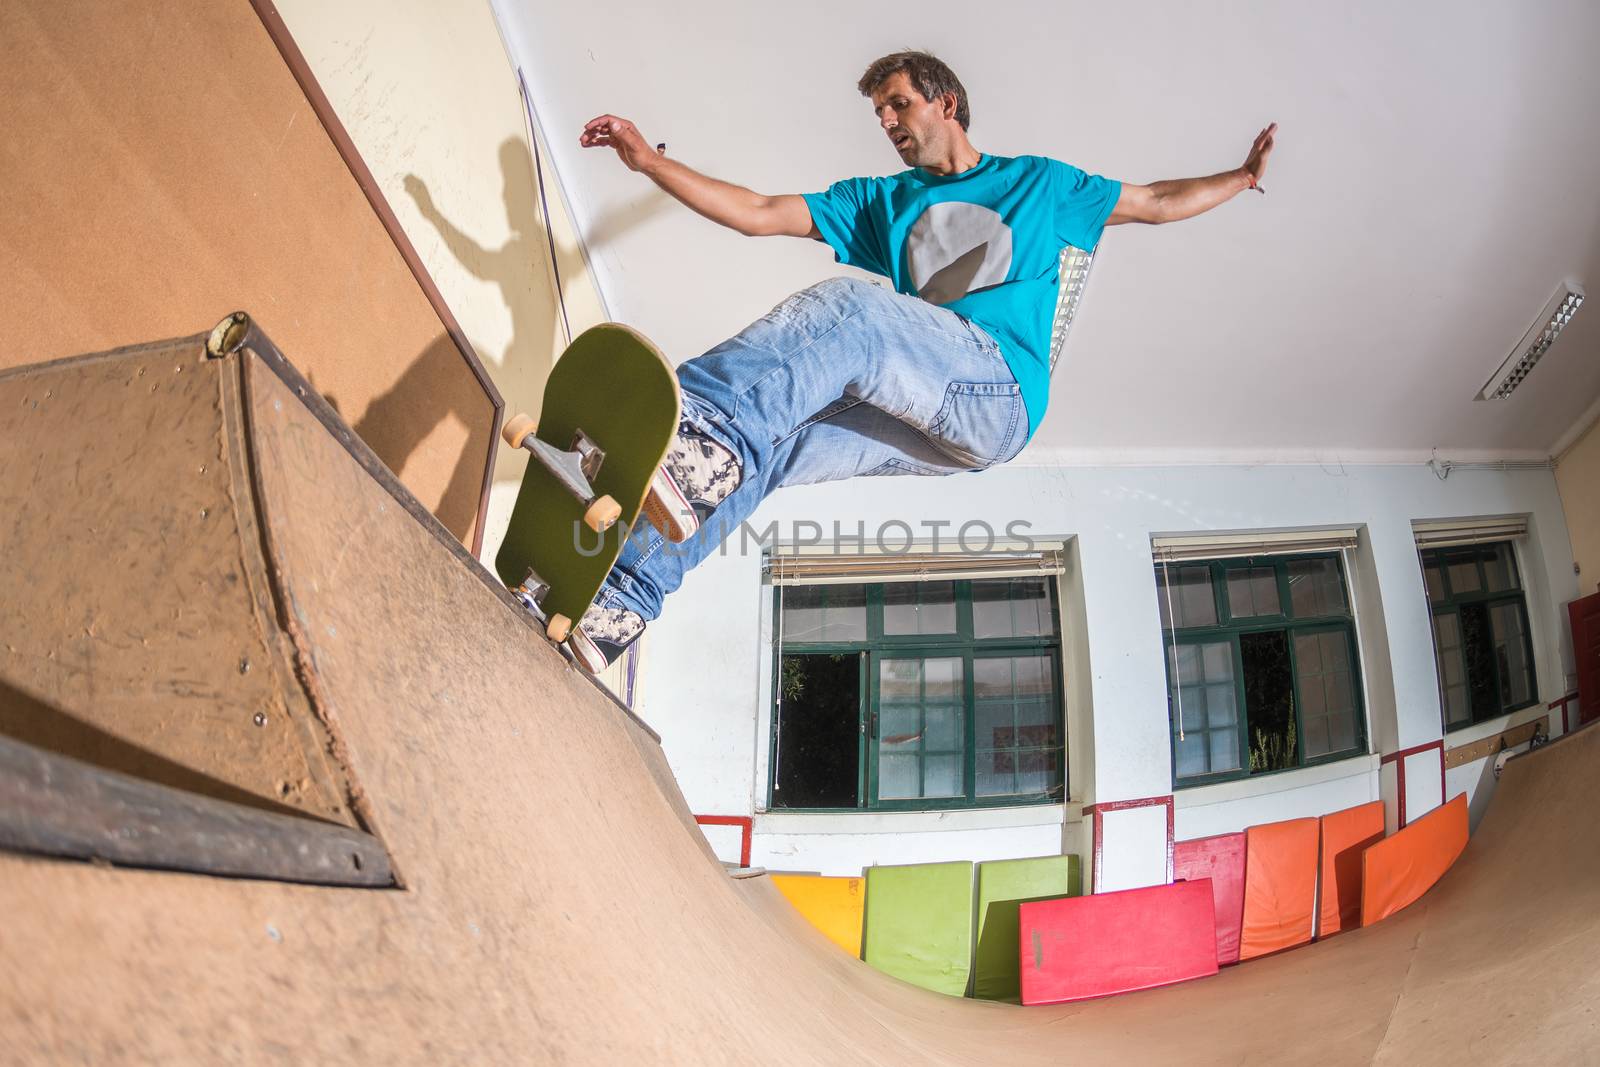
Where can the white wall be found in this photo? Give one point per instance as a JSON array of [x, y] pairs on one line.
[[702, 663], [1578, 475]]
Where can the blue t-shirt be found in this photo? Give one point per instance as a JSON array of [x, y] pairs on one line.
[[985, 243]]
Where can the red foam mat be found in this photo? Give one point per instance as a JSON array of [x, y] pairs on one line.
[[1077, 948], [1221, 859]]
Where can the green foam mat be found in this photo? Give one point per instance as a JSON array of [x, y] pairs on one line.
[[919, 924], [1002, 886]]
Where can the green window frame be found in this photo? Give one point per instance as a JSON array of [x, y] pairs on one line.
[[1475, 591], [1226, 610], [935, 709]]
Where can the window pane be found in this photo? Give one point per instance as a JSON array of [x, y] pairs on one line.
[[992, 678], [919, 608], [1033, 676], [942, 679], [1344, 734], [1190, 596], [900, 680], [899, 777], [819, 720], [1039, 771], [1326, 675], [1433, 574], [1036, 724], [1253, 591], [1500, 567], [1205, 710], [1315, 588], [1477, 652], [900, 725], [1511, 655], [943, 777], [996, 773], [943, 730], [1316, 739], [823, 612], [1192, 755], [1463, 568], [1011, 607], [1224, 750], [1452, 671], [921, 746], [1016, 724]]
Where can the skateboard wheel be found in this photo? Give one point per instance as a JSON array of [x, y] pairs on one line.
[[602, 514], [517, 430], [558, 627]]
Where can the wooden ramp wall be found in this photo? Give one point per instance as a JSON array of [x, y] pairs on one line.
[[556, 902], [162, 168]]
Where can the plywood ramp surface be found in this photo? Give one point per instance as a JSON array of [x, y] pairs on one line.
[[559, 907], [162, 168]]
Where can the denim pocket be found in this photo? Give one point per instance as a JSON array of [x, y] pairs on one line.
[[897, 466], [980, 422]]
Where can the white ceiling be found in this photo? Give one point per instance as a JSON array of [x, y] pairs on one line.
[[1437, 176]]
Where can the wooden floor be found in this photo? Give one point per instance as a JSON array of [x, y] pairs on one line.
[[557, 903]]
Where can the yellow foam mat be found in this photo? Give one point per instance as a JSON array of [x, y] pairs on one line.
[[833, 905]]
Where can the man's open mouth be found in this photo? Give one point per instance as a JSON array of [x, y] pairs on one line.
[[901, 140]]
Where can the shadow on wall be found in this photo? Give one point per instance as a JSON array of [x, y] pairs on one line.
[[396, 422], [518, 269]]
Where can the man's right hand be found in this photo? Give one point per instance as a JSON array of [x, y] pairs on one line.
[[733, 206], [608, 131]]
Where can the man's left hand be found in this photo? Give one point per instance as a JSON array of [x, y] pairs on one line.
[[1255, 164]]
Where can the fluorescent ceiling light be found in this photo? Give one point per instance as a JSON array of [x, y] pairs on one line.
[[1534, 344]]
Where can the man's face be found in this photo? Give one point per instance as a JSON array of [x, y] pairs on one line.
[[916, 127]]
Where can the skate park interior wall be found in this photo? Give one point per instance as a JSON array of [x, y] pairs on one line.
[[1578, 476], [703, 660], [429, 96]]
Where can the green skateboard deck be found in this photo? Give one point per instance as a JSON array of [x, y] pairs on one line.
[[616, 390]]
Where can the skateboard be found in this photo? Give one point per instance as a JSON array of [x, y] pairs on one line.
[[609, 414]]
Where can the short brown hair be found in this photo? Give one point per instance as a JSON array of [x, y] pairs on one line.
[[927, 72]]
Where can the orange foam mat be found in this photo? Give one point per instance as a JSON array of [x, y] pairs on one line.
[[833, 905], [1399, 869], [1280, 886], [1346, 835]]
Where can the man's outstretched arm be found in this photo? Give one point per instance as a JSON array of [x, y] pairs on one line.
[[733, 206], [1184, 198]]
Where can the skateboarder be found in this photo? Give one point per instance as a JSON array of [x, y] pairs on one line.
[[945, 373]]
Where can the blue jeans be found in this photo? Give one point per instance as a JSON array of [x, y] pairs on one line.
[[842, 379]]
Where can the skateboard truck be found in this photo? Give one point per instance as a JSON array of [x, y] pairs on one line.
[[573, 469], [530, 593]]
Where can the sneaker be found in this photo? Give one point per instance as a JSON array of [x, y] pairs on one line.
[[697, 474], [602, 635]]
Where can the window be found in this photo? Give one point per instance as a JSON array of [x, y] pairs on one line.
[[918, 695], [1480, 632], [1261, 665]]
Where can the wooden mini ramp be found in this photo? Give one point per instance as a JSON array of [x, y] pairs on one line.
[[552, 899]]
